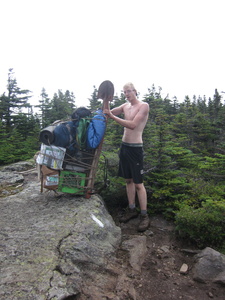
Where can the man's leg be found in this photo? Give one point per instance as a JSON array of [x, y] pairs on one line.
[[131, 211], [131, 192], [142, 198]]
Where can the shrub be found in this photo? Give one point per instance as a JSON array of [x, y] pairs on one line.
[[204, 225], [115, 190]]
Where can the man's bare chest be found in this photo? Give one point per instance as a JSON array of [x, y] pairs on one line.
[[131, 111]]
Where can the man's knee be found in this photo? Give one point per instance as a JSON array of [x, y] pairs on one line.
[[139, 186], [129, 181]]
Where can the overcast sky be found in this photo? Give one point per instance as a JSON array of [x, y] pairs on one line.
[[76, 44]]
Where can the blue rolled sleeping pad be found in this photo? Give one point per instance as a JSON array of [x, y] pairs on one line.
[[96, 129]]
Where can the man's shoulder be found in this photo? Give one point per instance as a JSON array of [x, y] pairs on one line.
[[124, 105], [145, 105]]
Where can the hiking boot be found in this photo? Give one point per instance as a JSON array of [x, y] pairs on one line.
[[144, 223], [128, 215]]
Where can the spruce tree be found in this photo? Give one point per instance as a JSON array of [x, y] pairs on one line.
[[45, 108], [95, 103], [62, 106], [13, 102]]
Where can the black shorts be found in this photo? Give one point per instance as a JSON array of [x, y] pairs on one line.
[[131, 162]]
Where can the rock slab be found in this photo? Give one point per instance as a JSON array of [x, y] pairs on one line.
[[55, 247]]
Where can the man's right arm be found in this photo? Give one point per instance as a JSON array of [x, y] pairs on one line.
[[117, 110], [140, 117]]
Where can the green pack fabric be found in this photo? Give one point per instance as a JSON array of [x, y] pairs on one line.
[[82, 132]]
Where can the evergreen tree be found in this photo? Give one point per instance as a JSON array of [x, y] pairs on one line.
[[62, 106], [95, 103], [201, 105], [70, 100], [14, 102], [216, 104], [117, 101], [45, 108]]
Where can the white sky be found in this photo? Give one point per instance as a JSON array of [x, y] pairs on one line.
[[76, 44]]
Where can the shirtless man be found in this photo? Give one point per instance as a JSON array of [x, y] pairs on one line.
[[131, 152]]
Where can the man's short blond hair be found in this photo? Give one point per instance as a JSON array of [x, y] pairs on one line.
[[129, 85]]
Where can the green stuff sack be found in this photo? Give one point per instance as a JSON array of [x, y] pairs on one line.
[[82, 132]]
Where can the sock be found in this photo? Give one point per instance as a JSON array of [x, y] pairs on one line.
[[143, 212], [132, 206]]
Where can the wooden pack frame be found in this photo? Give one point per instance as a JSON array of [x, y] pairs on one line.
[[89, 162]]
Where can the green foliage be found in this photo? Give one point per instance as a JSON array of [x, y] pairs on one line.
[[45, 109], [117, 101], [95, 103], [13, 103], [205, 225], [62, 106], [11, 149], [113, 187], [214, 167], [19, 127], [113, 136], [14, 147]]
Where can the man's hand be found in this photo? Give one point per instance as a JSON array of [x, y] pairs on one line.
[[107, 112]]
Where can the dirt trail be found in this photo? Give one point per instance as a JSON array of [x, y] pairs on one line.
[[160, 277]]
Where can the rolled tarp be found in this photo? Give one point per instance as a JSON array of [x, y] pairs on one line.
[[46, 135]]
